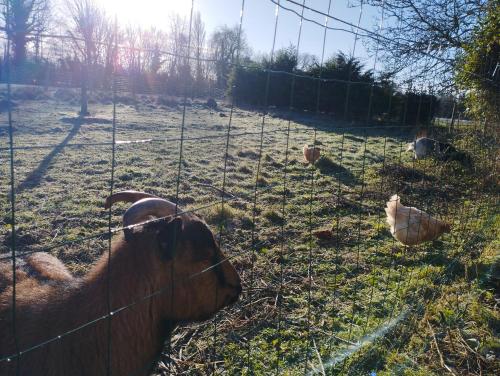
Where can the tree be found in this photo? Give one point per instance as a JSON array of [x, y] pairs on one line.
[[199, 36], [225, 42], [478, 71], [178, 43], [425, 35], [90, 32], [285, 60], [24, 19]]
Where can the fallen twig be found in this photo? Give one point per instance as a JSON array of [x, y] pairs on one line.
[[217, 189], [322, 368], [441, 359]]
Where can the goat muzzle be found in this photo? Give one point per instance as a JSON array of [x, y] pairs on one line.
[[237, 292]]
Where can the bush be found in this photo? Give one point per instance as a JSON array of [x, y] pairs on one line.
[[65, 95], [29, 93]]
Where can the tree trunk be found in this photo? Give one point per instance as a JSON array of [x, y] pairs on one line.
[[84, 92], [19, 42], [452, 123]]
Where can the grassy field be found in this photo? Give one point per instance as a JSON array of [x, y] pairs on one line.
[[306, 302]]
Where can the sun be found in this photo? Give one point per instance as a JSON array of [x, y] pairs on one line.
[[145, 13]]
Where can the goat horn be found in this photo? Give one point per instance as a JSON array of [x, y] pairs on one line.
[[150, 206], [126, 196]]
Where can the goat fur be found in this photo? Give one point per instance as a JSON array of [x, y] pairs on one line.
[[424, 147], [53, 302]]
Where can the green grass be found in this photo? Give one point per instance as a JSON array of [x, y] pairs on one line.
[[356, 283]]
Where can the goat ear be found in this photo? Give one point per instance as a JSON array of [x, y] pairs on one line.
[[168, 237], [200, 236]]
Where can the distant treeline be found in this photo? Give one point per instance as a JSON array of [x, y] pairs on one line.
[[340, 87]]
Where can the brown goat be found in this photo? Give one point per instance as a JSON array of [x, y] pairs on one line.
[[167, 271]]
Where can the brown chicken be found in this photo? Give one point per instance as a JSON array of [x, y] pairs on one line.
[[311, 154], [412, 226]]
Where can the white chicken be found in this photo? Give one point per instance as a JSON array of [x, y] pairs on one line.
[[412, 226]]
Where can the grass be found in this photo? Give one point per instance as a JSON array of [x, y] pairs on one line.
[[290, 315]]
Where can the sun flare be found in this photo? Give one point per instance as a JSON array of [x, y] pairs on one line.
[[145, 12]]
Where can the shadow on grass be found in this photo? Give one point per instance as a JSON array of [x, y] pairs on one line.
[[328, 167], [34, 178], [84, 121]]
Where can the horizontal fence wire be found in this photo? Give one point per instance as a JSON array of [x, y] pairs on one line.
[[202, 138], [322, 277]]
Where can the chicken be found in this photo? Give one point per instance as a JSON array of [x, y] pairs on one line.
[[311, 154], [412, 226]]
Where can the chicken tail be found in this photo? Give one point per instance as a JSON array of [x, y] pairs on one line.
[[391, 208]]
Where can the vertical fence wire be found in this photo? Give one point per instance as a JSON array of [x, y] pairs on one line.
[[346, 110], [311, 196], [13, 233], [379, 240], [370, 103], [178, 180], [284, 245], [422, 203], [406, 247], [338, 237], [392, 241], [256, 185], [111, 190], [358, 247], [415, 302], [352, 55], [224, 174]]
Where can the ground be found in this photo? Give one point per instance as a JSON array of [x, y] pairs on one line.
[[306, 302]]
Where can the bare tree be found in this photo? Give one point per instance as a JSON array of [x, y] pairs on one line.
[[224, 43], [91, 32], [153, 43], [307, 61], [178, 43], [131, 50], [199, 36], [24, 20], [426, 35]]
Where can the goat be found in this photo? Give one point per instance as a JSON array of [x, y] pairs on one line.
[[424, 147], [165, 272], [311, 153]]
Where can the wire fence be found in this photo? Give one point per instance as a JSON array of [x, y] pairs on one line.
[[322, 276]]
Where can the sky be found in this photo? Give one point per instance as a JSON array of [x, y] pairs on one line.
[[259, 18]]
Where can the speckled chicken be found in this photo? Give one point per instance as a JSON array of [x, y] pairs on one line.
[[412, 226]]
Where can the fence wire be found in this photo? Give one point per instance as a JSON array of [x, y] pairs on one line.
[[322, 277]]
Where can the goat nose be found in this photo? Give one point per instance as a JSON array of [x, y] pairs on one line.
[[234, 299], [236, 296]]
